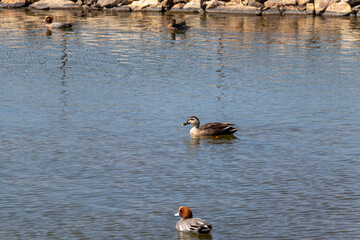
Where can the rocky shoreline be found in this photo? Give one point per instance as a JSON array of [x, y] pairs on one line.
[[254, 7]]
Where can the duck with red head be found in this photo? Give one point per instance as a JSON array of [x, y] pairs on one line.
[[188, 223], [50, 24]]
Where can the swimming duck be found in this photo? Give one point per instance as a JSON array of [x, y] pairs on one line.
[[177, 26], [190, 224], [209, 129], [50, 24]]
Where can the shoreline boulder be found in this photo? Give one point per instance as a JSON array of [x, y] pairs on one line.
[[146, 5], [193, 6], [55, 4], [108, 3], [233, 6], [277, 3], [257, 7], [338, 9], [14, 3], [321, 5]]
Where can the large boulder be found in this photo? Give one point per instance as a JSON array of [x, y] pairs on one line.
[[338, 9], [277, 3], [257, 4], [321, 5], [193, 6], [55, 4], [14, 3], [252, 3], [232, 7], [177, 7], [146, 5], [213, 4], [293, 9], [108, 3]]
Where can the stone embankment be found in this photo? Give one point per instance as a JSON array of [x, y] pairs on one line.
[[256, 7]]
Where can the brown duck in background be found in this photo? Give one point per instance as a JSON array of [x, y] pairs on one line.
[[177, 26], [209, 129]]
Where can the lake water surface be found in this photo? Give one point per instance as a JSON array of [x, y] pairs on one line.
[[91, 143]]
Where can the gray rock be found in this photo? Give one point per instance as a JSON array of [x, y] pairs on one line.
[[177, 7], [108, 3], [146, 5], [55, 4], [252, 3], [224, 10], [321, 5], [238, 8], [14, 3], [122, 9], [271, 11], [310, 8], [213, 4], [294, 10], [192, 6], [338, 9], [275, 3], [257, 4]]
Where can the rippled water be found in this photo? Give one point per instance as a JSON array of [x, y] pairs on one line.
[[91, 143]]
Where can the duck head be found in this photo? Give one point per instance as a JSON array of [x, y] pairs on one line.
[[48, 19], [193, 121], [184, 212]]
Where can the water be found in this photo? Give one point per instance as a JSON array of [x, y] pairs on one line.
[[91, 143]]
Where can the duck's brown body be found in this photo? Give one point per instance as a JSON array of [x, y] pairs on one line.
[[209, 129], [177, 26]]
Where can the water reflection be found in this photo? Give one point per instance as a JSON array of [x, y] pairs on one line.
[[173, 33], [220, 70], [48, 33], [193, 236], [60, 39], [63, 58], [222, 139], [63, 84]]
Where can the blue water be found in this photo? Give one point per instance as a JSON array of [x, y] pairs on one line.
[[91, 143]]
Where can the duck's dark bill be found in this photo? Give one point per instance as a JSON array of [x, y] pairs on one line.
[[184, 124]]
